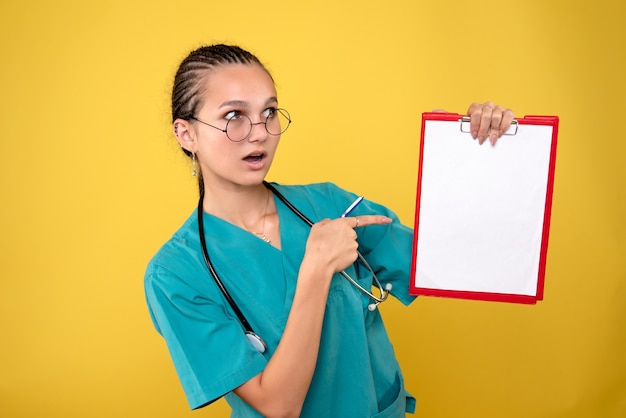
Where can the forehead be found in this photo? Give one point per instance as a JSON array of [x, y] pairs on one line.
[[244, 82]]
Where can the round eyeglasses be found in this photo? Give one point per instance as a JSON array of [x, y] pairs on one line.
[[239, 126]]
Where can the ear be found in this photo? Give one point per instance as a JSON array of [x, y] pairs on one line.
[[183, 131]]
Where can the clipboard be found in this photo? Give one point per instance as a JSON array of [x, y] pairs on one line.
[[482, 212]]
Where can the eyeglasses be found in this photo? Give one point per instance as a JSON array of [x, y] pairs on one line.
[[239, 126]]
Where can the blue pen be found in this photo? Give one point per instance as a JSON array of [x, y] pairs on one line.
[[352, 206]]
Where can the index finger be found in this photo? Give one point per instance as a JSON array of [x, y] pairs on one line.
[[480, 120], [365, 220]]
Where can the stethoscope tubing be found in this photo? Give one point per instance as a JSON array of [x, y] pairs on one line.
[[254, 338], [209, 264]]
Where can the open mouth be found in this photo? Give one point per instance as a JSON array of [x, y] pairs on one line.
[[254, 158]]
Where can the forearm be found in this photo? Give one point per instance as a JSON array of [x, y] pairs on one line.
[[281, 388]]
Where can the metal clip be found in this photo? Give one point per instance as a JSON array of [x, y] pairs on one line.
[[465, 122]]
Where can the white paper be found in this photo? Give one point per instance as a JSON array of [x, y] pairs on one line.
[[481, 210]]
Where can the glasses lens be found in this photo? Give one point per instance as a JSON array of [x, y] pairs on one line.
[[238, 128], [278, 122]]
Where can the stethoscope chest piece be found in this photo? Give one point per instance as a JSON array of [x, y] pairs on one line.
[[256, 341]]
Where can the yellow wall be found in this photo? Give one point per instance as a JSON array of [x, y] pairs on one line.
[[93, 183]]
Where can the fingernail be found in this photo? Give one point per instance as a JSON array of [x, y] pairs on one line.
[[474, 134], [494, 137]]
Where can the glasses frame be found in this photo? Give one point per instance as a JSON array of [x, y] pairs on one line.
[[280, 110]]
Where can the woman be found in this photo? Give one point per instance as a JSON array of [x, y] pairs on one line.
[[325, 352]]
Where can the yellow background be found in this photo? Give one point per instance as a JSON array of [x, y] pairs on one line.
[[93, 184]]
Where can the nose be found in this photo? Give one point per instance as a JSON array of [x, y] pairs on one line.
[[257, 133]]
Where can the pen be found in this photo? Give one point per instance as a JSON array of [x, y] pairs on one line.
[[352, 206]]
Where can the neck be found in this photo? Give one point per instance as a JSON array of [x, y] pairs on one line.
[[243, 206]]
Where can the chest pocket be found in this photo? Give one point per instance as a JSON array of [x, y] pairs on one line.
[[345, 292]]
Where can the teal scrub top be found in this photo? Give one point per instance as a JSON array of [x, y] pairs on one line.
[[357, 374]]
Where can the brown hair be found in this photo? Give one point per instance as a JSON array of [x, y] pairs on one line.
[[189, 79]]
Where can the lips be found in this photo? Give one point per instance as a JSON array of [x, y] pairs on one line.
[[254, 157]]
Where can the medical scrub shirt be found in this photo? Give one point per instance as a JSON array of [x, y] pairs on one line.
[[357, 374]]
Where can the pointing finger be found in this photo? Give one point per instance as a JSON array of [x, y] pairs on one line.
[[365, 220]]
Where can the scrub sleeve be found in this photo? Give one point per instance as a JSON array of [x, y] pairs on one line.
[[189, 316]]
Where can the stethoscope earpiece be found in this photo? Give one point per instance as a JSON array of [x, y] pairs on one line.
[[372, 306]]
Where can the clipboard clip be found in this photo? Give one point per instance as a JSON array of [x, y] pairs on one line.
[[465, 123]]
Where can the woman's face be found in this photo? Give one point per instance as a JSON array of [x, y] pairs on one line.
[[231, 90]]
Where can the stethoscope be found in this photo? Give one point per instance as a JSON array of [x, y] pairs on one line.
[[254, 339]]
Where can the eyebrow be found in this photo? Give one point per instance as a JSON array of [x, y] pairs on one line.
[[243, 103]]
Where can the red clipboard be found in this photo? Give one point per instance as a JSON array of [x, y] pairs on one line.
[[482, 212]]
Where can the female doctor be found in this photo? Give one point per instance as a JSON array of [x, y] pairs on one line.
[[261, 295]]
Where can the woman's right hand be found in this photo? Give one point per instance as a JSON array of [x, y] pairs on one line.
[[332, 243]]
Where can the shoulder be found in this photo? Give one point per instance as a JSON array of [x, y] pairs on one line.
[[177, 256]]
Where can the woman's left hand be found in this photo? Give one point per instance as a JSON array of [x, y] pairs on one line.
[[489, 121]]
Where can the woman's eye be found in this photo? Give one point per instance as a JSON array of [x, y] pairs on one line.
[[233, 114], [269, 112]]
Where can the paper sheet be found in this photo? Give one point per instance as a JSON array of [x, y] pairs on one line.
[[481, 210]]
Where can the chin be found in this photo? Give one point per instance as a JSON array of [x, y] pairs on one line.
[[254, 179]]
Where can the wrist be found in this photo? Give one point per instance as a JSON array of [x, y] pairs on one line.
[[316, 269]]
